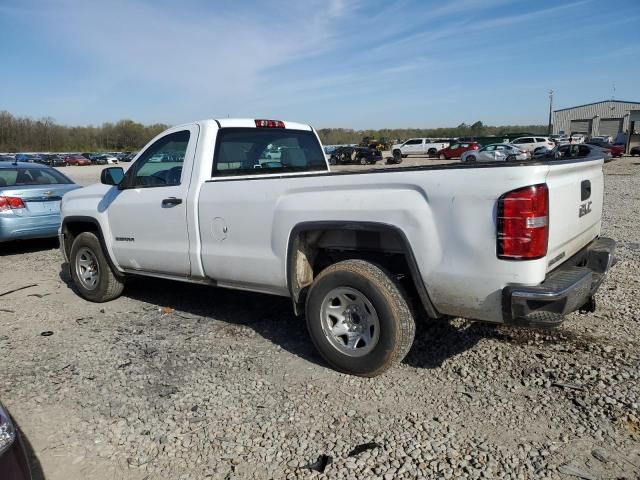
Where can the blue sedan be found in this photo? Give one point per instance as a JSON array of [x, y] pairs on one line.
[[30, 197]]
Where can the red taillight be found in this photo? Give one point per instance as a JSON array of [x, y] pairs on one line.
[[10, 203], [523, 223], [269, 124]]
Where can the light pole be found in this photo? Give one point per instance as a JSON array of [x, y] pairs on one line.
[[550, 109]]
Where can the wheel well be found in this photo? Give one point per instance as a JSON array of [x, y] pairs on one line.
[[74, 228], [314, 248]]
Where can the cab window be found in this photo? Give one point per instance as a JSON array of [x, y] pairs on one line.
[[257, 151]]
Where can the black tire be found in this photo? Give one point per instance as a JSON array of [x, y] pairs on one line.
[[396, 323], [471, 159], [397, 156], [432, 152], [332, 160], [109, 286], [363, 160], [510, 158]]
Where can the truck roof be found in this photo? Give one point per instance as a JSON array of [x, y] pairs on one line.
[[251, 123]]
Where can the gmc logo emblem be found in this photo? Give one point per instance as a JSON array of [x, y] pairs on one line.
[[584, 209]]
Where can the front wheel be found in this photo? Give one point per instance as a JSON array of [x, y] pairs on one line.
[[363, 160], [397, 156], [91, 273], [471, 159], [358, 318]]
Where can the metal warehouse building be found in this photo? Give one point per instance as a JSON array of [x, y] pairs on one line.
[[609, 117]]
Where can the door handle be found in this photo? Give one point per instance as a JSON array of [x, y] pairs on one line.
[[171, 202]]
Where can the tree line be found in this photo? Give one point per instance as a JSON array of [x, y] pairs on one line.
[[23, 134]]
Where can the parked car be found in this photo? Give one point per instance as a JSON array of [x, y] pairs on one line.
[[14, 463], [77, 160], [361, 155], [531, 144], [635, 150], [30, 197], [6, 158], [105, 159], [53, 160], [577, 138], [496, 152], [573, 150], [602, 139], [129, 157], [456, 150], [506, 245], [616, 150], [417, 146]]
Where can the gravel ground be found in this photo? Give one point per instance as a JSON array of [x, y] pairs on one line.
[[188, 382]]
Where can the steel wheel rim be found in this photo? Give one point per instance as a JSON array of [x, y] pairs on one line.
[[87, 268], [349, 321]]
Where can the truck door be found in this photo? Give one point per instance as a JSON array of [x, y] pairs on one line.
[[147, 216]]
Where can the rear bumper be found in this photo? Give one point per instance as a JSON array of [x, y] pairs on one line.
[[568, 288], [19, 228]]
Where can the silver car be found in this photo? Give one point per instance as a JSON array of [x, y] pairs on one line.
[[496, 152], [30, 196]]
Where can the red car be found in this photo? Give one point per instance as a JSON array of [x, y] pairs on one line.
[[457, 149], [617, 149], [77, 160]]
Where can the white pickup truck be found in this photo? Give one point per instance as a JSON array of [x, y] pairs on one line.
[[363, 254], [417, 146]]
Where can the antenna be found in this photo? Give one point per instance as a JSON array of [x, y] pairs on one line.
[[613, 96]]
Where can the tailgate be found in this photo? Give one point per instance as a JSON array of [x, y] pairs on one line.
[[576, 192]]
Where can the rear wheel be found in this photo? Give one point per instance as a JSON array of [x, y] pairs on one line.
[[432, 152], [358, 318], [333, 160], [397, 156], [90, 270], [363, 160], [471, 158]]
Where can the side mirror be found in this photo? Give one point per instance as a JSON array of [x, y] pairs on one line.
[[112, 175]]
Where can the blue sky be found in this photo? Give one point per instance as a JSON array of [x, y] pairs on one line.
[[331, 63]]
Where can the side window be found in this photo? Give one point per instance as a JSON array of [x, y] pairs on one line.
[[415, 141], [161, 164], [517, 141], [583, 151], [258, 151], [489, 148]]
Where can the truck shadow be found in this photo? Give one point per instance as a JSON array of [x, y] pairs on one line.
[[272, 318], [37, 473], [439, 340]]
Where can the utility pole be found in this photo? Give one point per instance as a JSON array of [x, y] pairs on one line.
[[550, 109]]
